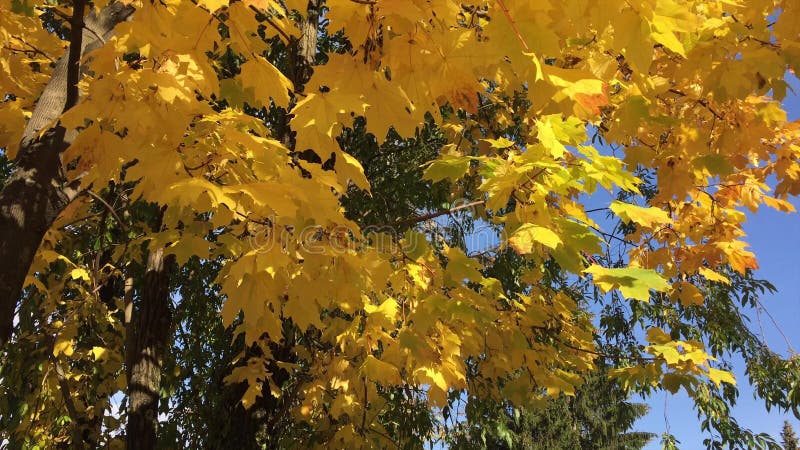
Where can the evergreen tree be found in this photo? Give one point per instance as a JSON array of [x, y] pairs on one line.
[[788, 438]]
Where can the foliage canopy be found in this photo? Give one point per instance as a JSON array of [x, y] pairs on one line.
[[252, 149]]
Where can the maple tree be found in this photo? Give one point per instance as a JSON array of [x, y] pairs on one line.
[[148, 138]]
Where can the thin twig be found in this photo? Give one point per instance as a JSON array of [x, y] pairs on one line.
[[33, 48], [700, 101], [777, 327], [78, 220], [109, 207], [611, 236], [761, 327], [63, 386], [56, 12], [34, 51], [274, 25], [604, 355]]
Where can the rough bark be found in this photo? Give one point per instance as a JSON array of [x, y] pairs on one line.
[[149, 334], [302, 52], [37, 191], [309, 37]]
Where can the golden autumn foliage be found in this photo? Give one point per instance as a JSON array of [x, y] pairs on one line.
[[688, 91]]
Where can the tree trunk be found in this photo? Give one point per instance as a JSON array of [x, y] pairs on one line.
[[307, 44], [149, 334], [36, 192], [30, 201]]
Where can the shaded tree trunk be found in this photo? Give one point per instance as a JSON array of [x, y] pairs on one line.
[[149, 333], [258, 426], [31, 200], [37, 191]]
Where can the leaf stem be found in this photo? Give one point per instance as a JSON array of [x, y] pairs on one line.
[[513, 25]]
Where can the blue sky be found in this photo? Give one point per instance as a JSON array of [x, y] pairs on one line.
[[775, 239]]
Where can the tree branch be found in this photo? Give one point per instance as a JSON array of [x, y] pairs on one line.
[[416, 220], [75, 47], [108, 207]]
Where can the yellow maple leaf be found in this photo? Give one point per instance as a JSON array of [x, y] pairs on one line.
[[721, 376], [380, 371], [349, 168], [303, 311], [99, 353], [213, 5], [633, 282], [253, 373], [80, 274], [687, 293], [265, 81], [645, 216], [65, 343], [528, 234], [384, 315], [711, 275]]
